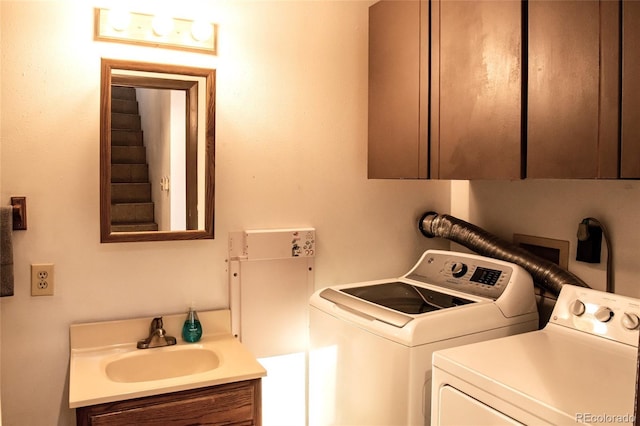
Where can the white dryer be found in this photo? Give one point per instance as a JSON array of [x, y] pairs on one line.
[[371, 343], [579, 369]]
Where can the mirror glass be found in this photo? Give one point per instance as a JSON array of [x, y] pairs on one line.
[[157, 144]]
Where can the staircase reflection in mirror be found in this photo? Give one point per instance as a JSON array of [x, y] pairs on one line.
[[157, 150]]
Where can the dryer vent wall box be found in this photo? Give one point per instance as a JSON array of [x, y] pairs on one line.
[[272, 244]]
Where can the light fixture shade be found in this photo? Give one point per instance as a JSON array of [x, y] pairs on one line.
[[119, 19], [162, 25], [201, 30], [117, 25]]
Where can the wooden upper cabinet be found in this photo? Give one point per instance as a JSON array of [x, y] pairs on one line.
[[396, 149], [573, 89], [476, 119], [630, 149], [486, 89]]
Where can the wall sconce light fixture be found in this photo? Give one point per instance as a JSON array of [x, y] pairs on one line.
[[157, 31]]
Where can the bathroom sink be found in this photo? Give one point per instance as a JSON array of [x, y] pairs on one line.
[[106, 366], [161, 363]]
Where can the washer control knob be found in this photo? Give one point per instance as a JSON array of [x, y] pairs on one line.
[[603, 314], [577, 308], [630, 321], [458, 269]]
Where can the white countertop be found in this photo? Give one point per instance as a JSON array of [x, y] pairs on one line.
[[93, 345]]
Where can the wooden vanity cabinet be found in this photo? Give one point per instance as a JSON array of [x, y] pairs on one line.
[[573, 89], [229, 404]]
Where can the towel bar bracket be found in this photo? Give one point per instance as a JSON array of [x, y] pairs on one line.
[[19, 213]]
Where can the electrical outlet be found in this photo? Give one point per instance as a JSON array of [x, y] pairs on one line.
[[42, 279]]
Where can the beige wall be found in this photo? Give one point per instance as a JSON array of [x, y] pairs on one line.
[[291, 151], [553, 209]]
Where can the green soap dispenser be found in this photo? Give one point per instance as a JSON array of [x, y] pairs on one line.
[[192, 329]]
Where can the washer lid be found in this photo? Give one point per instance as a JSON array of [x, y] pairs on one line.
[[405, 297], [389, 302]]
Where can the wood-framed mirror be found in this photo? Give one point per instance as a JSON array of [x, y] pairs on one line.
[[157, 152]]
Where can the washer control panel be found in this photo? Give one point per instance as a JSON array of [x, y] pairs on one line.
[[603, 314], [469, 273]]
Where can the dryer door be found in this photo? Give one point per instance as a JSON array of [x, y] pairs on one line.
[[457, 409]]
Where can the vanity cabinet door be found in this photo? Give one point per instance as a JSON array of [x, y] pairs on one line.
[[630, 149], [230, 404], [398, 43], [476, 119], [573, 89]]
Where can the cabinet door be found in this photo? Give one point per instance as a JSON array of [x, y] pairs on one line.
[[476, 116], [395, 149], [228, 404], [573, 96], [630, 152]]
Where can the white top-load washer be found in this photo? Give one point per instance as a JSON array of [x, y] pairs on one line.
[[371, 343], [581, 368]]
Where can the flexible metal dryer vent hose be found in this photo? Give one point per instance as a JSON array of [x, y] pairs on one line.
[[546, 274]]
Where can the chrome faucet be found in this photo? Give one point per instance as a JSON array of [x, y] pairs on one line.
[[157, 336]]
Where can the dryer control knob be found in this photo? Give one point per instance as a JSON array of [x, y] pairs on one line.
[[458, 269], [577, 308], [630, 321], [603, 314]]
